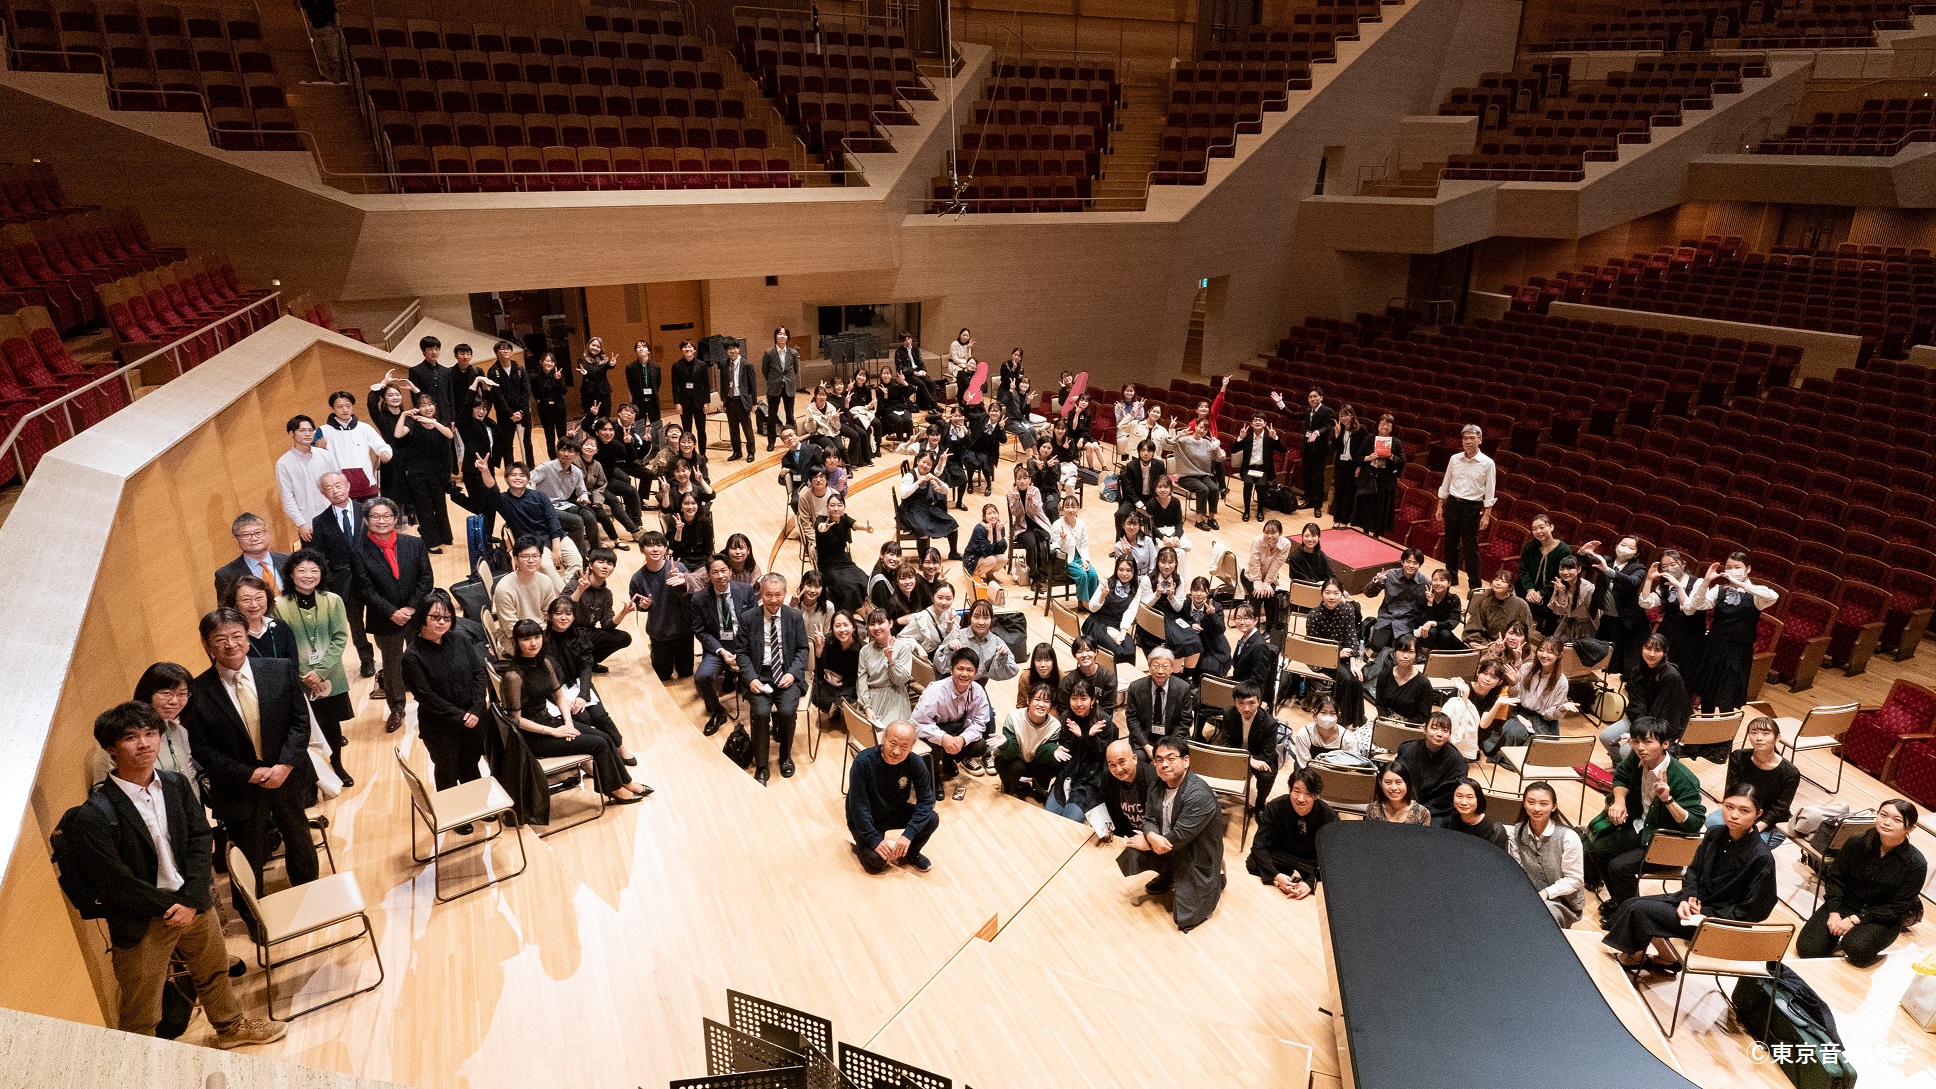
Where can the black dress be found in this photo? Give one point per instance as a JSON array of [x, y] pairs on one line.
[[571, 656], [548, 393], [1343, 626], [694, 545], [839, 660], [1080, 783], [925, 513], [423, 458], [1685, 633], [596, 389], [532, 687], [1411, 700], [845, 582], [1118, 611], [1377, 488], [1312, 566], [1727, 656]]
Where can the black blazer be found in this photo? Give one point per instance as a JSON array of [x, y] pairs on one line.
[[909, 361], [233, 571], [1179, 710], [222, 744], [1241, 447], [748, 393], [751, 646], [1256, 662], [642, 381], [1260, 741], [327, 538], [1319, 420], [696, 374], [384, 593], [119, 860], [705, 614], [1129, 480], [513, 392]]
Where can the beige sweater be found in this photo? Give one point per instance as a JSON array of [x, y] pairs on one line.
[[514, 599]]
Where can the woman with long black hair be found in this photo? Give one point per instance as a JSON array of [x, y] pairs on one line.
[[548, 385], [531, 692]]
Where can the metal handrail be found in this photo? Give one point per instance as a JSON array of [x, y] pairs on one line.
[[66, 401], [401, 324]]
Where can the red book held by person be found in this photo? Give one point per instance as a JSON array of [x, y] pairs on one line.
[[1381, 446]]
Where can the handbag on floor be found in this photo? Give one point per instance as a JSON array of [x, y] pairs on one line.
[[739, 747], [1800, 1035]]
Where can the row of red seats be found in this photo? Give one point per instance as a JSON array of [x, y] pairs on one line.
[[363, 29], [29, 191], [36, 369], [425, 96], [509, 130], [452, 169], [57, 264]]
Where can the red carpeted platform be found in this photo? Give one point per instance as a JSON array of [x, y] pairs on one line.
[[1356, 557]]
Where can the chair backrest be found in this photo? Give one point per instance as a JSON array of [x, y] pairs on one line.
[[1316, 653], [1215, 693], [1674, 849], [419, 794], [861, 731], [1725, 939], [1558, 752], [1149, 620], [1389, 734], [1570, 664], [1712, 729], [1830, 720], [921, 674], [1226, 569], [485, 576], [1304, 595], [1345, 788], [241, 875], [1217, 762], [1446, 664], [1851, 827], [1067, 623], [1505, 808]]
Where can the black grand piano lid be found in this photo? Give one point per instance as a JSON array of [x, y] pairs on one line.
[[1452, 974]]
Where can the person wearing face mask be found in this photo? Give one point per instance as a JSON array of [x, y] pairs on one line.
[[1323, 734], [1669, 587], [1735, 604], [1617, 582]]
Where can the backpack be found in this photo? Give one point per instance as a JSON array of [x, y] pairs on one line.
[[74, 880], [1800, 1036]]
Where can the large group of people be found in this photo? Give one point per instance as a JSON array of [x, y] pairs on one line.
[[258, 734]]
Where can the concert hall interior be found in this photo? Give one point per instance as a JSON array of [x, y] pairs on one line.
[[894, 543]]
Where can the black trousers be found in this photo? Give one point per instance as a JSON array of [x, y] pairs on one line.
[[279, 811], [1862, 945], [1013, 769], [776, 403], [390, 678], [503, 449], [775, 714], [424, 491], [695, 425], [454, 750], [739, 421], [552, 419], [359, 636], [606, 642], [1615, 858], [1314, 464], [672, 657], [1642, 919], [474, 486], [1462, 537], [622, 496], [1307, 868], [1344, 491]]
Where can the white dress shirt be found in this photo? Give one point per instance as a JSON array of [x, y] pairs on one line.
[[247, 676], [297, 476], [152, 803], [1471, 478]]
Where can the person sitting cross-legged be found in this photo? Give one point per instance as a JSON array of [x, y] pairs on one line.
[[1732, 877], [1871, 890], [889, 788], [1284, 853]]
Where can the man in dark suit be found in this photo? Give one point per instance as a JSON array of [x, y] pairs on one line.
[[432, 377], [692, 389], [773, 648], [251, 535], [716, 613], [393, 579], [1319, 418], [780, 366], [511, 396], [737, 393], [1246, 724], [908, 361], [1252, 658], [1160, 704], [336, 531], [140, 846], [1136, 482], [248, 722]]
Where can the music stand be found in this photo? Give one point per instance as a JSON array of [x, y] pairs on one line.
[[791, 1077], [795, 1030], [870, 1071]]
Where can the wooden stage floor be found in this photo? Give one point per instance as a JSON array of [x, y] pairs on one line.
[[596, 965]]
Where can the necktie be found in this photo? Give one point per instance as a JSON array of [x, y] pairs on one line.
[[343, 516], [773, 645], [251, 713], [725, 615], [269, 576], [1159, 708]]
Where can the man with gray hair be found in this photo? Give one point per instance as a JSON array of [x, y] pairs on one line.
[[773, 666], [251, 535], [1159, 704], [1465, 505]]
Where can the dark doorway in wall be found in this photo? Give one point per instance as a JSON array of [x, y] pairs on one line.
[[548, 320], [1436, 287], [1814, 226]]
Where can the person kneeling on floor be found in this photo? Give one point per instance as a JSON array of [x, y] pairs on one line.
[[889, 788]]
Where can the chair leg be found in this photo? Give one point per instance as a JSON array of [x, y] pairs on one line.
[[813, 731], [1675, 1020]]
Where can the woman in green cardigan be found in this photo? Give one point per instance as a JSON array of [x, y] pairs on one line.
[[1539, 565], [320, 623]]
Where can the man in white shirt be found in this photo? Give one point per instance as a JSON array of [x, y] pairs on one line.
[[1465, 505], [141, 844], [358, 449], [299, 470]]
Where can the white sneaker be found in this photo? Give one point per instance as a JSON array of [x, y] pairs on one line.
[[248, 1031]]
